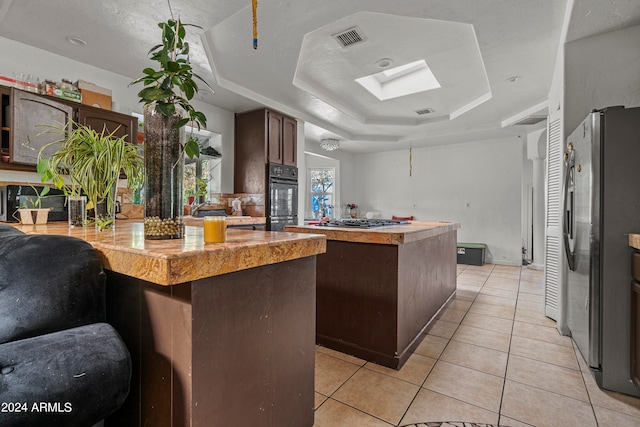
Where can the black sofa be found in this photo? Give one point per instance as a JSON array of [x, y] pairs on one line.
[[60, 363]]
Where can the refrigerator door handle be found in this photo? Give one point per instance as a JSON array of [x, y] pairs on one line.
[[568, 224]]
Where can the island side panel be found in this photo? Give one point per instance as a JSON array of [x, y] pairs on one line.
[[123, 313], [426, 280], [155, 324], [374, 300], [357, 300], [254, 343]]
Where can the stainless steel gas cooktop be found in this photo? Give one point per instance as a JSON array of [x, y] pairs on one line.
[[362, 223]]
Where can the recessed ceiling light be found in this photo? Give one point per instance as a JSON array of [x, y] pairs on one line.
[[513, 79], [384, 62], [76, 41]]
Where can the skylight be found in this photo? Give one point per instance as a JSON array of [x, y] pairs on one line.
[[399, 81]]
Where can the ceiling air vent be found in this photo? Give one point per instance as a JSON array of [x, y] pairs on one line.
[[425, 111], [350, 37]]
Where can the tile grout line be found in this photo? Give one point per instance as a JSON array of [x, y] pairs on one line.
[[355, 408], [438, 358], [360, 366], [575, 353], [363, 366], [506, 367], [472, 301]]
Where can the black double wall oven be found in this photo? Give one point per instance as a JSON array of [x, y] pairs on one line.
[[282, 196]]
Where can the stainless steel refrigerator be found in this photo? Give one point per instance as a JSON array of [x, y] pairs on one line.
[[601, 207]]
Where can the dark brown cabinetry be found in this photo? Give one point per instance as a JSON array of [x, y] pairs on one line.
[[26, 115], [5, 122], [635, 319], [262, 136], [111, 121], [31, 114], [281, 140]]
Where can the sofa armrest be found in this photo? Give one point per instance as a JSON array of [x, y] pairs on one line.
[[48, 283], [74, 377]]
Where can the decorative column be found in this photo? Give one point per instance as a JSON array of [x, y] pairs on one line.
[[537, 152]]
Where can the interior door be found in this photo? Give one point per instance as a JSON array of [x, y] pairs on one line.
[[554, 255]]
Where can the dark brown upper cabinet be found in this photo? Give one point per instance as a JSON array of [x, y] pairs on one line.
[[31, 115], [26, 117], [261, 137], [99, 119]]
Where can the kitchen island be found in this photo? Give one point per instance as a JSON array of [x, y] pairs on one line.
[[219, 334], [378, 288]]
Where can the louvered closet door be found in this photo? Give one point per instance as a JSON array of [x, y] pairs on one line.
[[553, 219]]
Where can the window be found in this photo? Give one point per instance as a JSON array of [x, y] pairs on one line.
[[202, 174], [196, 179], [322, 191]]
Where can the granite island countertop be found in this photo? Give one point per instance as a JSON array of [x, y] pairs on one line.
[[389, 235], [169, 262]]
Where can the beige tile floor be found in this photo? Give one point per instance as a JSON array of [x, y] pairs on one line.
[[490, 357]]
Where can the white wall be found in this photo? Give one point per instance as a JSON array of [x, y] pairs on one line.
[[594, 72], [478, 184], [345, 174], [22, 58], [601, 71]]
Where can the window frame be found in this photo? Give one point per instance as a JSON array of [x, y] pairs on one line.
[[330, 194]]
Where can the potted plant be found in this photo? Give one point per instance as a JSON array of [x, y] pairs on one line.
[[196, 192], [92, 163], [167, 109], [353, 210], [201, 189], [31, 210], [190, 194]]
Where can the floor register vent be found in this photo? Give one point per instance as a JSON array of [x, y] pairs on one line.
[[350, 37]]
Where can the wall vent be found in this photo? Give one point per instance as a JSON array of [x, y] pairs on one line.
[[350, 37], [425, 111]]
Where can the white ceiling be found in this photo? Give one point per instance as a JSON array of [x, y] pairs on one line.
[[473, 48]]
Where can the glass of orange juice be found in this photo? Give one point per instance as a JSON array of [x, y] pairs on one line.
[[215, 229]]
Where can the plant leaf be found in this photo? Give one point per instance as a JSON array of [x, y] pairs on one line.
[[191, 148], [156, 47], [173, 66], [203, 81], [181, 123], [172, 84]]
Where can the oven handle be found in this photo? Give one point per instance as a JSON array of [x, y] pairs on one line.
[[283, 181]]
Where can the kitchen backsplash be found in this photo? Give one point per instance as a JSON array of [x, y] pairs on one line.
[[252, 204]]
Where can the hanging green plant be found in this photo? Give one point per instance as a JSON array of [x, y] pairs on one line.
[[173, 83], [91, 162]]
